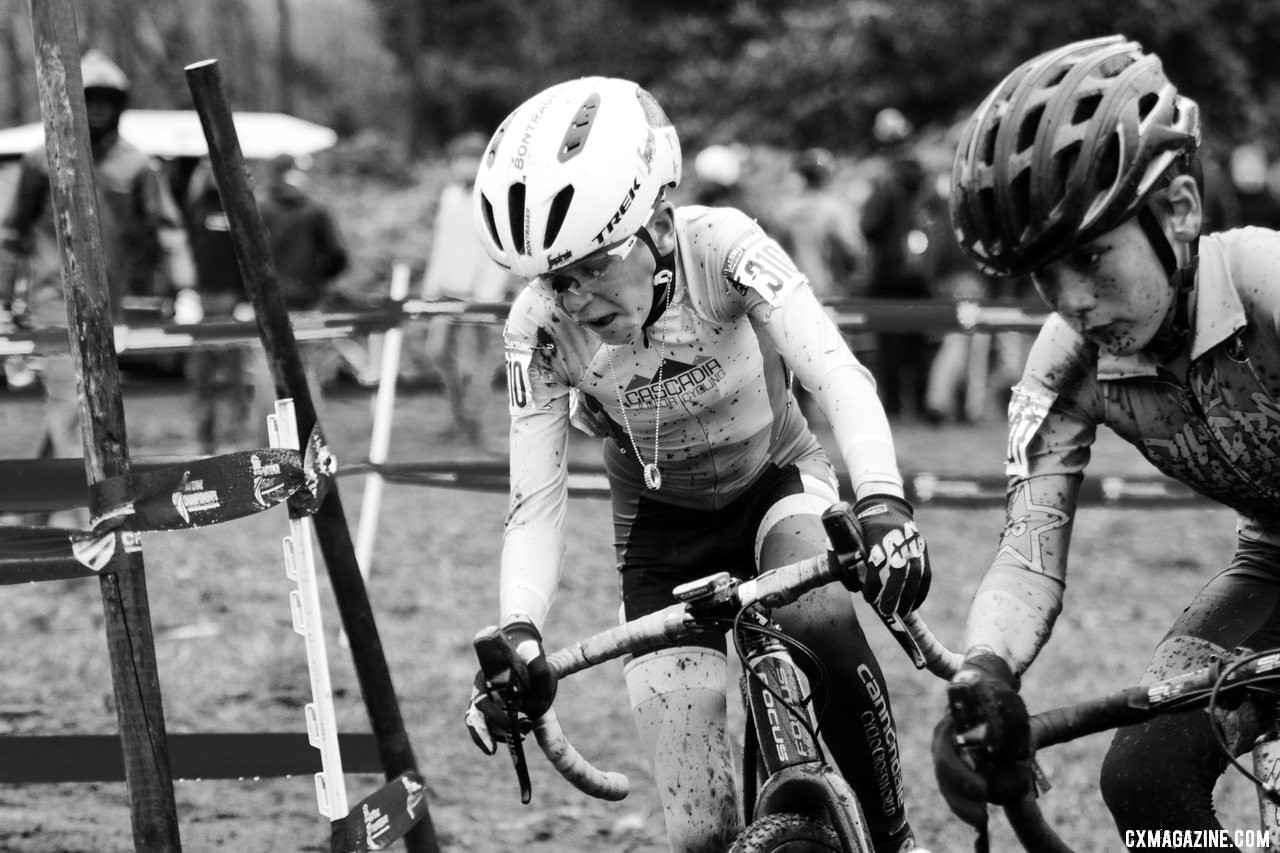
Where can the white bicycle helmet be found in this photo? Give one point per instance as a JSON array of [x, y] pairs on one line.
[[575, 168]]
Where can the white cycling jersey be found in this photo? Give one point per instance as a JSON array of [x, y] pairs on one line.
[[741, 316]]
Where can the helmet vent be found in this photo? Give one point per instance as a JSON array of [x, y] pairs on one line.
[[1027, 130], [1109, 162], [1113, 65], [487, 209], [491, 153], [515, 213], [988, 156], [1058, 74], [653, 111], [1085, 108], [985, 210], [1063, 163], [1147, 103], [576, 136], [1020, 199], [555, 217]]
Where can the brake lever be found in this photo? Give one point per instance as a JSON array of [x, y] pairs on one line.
[[515, 747], [972, 730], [504, 673], [972, 735]]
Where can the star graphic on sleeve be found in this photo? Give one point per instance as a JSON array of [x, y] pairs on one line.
[[1027, 522]]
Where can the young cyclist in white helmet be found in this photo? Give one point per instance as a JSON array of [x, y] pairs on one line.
[[1080, 169], [672, 333]]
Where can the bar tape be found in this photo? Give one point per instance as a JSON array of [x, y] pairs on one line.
[[872, 315]]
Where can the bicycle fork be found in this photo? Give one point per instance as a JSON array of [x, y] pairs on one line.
[[797, 777]]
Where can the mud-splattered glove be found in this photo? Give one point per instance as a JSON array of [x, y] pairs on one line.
[[897, 558], [992, 762], [525, 685]]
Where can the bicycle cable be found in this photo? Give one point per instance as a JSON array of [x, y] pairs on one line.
[[821, 676], [1252, 682]]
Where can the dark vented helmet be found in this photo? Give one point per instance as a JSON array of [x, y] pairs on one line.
[[1066, 148]]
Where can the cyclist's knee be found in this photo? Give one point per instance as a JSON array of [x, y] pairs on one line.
[[791, 530], [1160, 774]]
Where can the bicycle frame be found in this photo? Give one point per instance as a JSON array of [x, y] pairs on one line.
[[797, 779]]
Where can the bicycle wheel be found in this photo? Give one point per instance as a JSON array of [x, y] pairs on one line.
[[787, 833]]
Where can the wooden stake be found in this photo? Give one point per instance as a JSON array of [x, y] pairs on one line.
[[249, 238], [139, 710]]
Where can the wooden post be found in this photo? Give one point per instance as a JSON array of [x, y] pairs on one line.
[[249, 238], [124, 593]]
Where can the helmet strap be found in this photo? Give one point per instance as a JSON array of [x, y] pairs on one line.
[[1159, 242], [664, 277], [1170, 342]]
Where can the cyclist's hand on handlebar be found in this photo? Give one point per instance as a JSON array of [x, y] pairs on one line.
[[525, 689], [897, 558], [964, 788], [995, 766], [540, 691]]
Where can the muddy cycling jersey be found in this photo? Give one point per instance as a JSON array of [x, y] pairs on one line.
[[723, 408], [1217, 429]]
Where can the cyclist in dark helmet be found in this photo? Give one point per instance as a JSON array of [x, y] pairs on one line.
[[1080, 169]]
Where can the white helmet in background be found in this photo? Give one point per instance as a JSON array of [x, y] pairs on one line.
[[718, 164], [575, 168]]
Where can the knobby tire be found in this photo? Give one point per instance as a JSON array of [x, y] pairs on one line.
[[787, 833]]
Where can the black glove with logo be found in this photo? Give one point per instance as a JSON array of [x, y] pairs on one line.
[[525, 683], [993, 763], [897, 557]]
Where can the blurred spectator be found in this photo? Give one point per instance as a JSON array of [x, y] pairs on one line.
[[468, 353], [717, 171], [901, 233], [304, 241], [820, 232], [142, 239], [819, 228], [234, 379], [1221, 204], [307, 252], [1258, 205]]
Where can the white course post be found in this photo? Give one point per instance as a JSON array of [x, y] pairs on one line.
[[380, 439], [300, 566]]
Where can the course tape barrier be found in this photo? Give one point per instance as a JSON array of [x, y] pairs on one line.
[[922, 488], [39, 759], [182, 496], [875, 315], [382, 818]]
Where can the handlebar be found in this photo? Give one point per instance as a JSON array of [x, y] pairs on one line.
[[1126, 707], [708, 597]]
